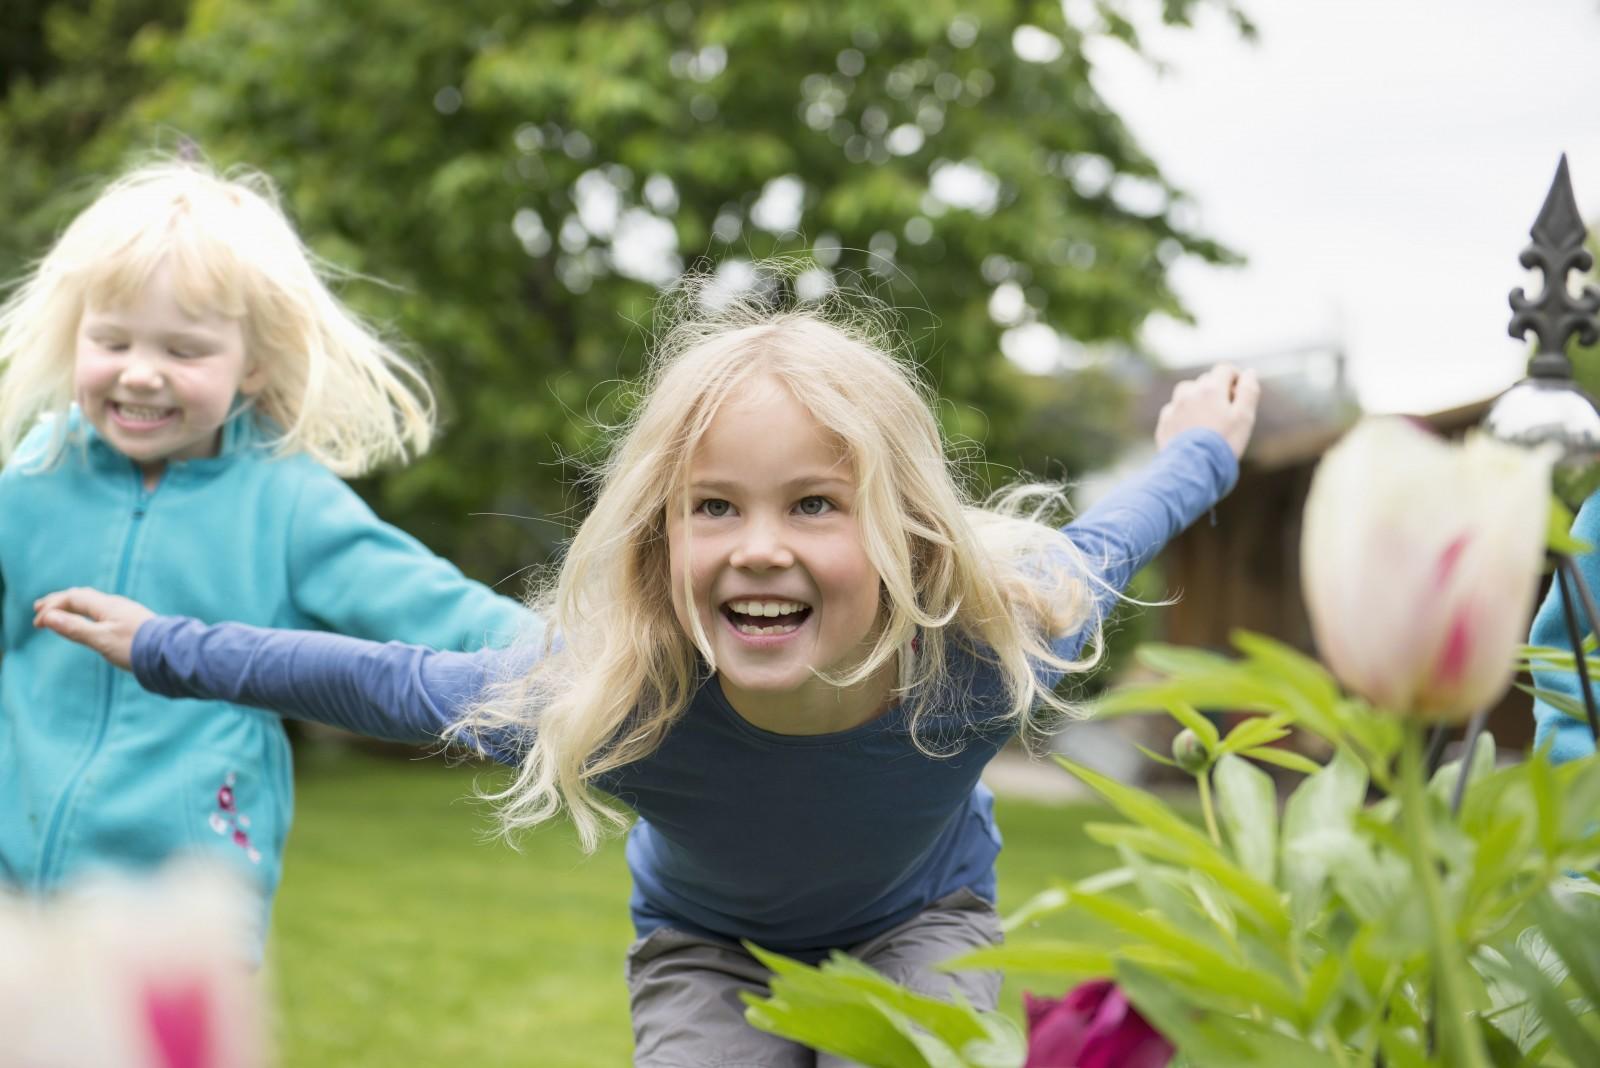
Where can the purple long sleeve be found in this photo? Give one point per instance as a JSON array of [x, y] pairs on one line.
[[1123, 531], [400, 692]]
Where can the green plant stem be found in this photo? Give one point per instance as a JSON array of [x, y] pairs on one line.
[[1335, 1045], [1203, 781], [1372, 1051], [1460, 1042]]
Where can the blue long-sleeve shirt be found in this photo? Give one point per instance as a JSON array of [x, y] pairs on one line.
[[801, 843]]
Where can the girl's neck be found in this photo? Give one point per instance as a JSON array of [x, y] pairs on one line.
[[818, 707]]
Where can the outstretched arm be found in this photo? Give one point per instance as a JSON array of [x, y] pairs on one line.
[[1201, 433], [393, 691]]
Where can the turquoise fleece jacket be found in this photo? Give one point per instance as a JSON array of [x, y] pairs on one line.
[[96, 772], [1567, 737]]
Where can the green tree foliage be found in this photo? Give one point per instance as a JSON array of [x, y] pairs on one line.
[[66, 74], [497, 163]]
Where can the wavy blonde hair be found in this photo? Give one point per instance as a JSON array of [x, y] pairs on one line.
[[333, 388], [612, 668]]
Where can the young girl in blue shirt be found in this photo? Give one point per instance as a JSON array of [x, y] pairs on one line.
[[785, 639], [177, 387]]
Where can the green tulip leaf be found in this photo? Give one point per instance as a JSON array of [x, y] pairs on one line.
[[1443, 783], [1196, 721], [1564, 703], [1223, 974], [1213, 1040], [1567, 1028], [1155, 756], [1255, 731], [1324, 803], [1511, 1011], [1044, 903], [1210, 692], [1322, 988], [1546, 804], [1401, 1043], [1213, 903], [1135, 804], [1371, 882], [1283, 758], [1178, 661], [1572, 941], [1558, 532], [1307, 676], [1259, 900], [1070, 960], [1164, 889], [1247, 802], [1503, 1052], [846, 1008]]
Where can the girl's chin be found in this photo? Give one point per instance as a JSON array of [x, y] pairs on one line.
[[765, 680]]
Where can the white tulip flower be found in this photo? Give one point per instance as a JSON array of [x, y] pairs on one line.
[[1420, 560]]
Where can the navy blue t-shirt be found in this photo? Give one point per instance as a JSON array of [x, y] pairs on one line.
[[800, 843]]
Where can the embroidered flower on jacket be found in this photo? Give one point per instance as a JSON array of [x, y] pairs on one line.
[[228, 820]]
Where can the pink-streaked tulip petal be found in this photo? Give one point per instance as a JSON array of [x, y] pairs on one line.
[[180, 1020], [1456, 656]]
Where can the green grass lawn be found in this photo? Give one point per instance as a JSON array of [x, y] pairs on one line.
[[403, 935]]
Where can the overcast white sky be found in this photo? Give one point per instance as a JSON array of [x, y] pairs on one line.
[[1380, 163]]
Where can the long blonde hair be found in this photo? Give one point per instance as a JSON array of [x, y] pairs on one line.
[[333, 387], [612, 668]]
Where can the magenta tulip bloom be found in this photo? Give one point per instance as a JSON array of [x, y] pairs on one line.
[[1094, 1026], [1420, 560]]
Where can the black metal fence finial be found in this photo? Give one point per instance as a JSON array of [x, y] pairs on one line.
[[1557, 250]]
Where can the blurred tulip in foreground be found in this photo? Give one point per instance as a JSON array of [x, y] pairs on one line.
[[1094, 1026], [1420, 559], [131, 974]]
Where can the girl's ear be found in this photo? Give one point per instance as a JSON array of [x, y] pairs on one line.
[[255, 379]]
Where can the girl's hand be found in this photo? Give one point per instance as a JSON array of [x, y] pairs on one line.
[[1223, 399], [104, 622]]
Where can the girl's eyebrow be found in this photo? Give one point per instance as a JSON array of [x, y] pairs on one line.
[[808, 481], [197, 339], [109, 323]]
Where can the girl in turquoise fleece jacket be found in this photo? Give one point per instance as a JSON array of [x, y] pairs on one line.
[[189, 382]]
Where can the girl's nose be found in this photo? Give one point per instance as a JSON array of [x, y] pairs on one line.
[[141, 372], [761, 547]]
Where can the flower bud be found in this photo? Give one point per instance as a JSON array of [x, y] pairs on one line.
[[1419, 559], [1189, 752]]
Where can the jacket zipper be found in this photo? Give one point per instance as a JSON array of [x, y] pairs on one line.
[[52, 850]]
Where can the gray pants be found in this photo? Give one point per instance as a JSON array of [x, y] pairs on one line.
[[684, 989]]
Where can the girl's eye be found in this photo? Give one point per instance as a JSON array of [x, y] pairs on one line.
[[715, 507], [814, 506]]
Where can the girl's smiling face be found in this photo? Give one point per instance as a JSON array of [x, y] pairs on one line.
[[775, 570], [157, 382]]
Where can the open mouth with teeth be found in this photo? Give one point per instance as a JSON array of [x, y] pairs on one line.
[[140, 414], [765, 618]]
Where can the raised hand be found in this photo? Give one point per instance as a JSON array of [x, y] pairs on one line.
[[1223, 399], [104, 622]]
